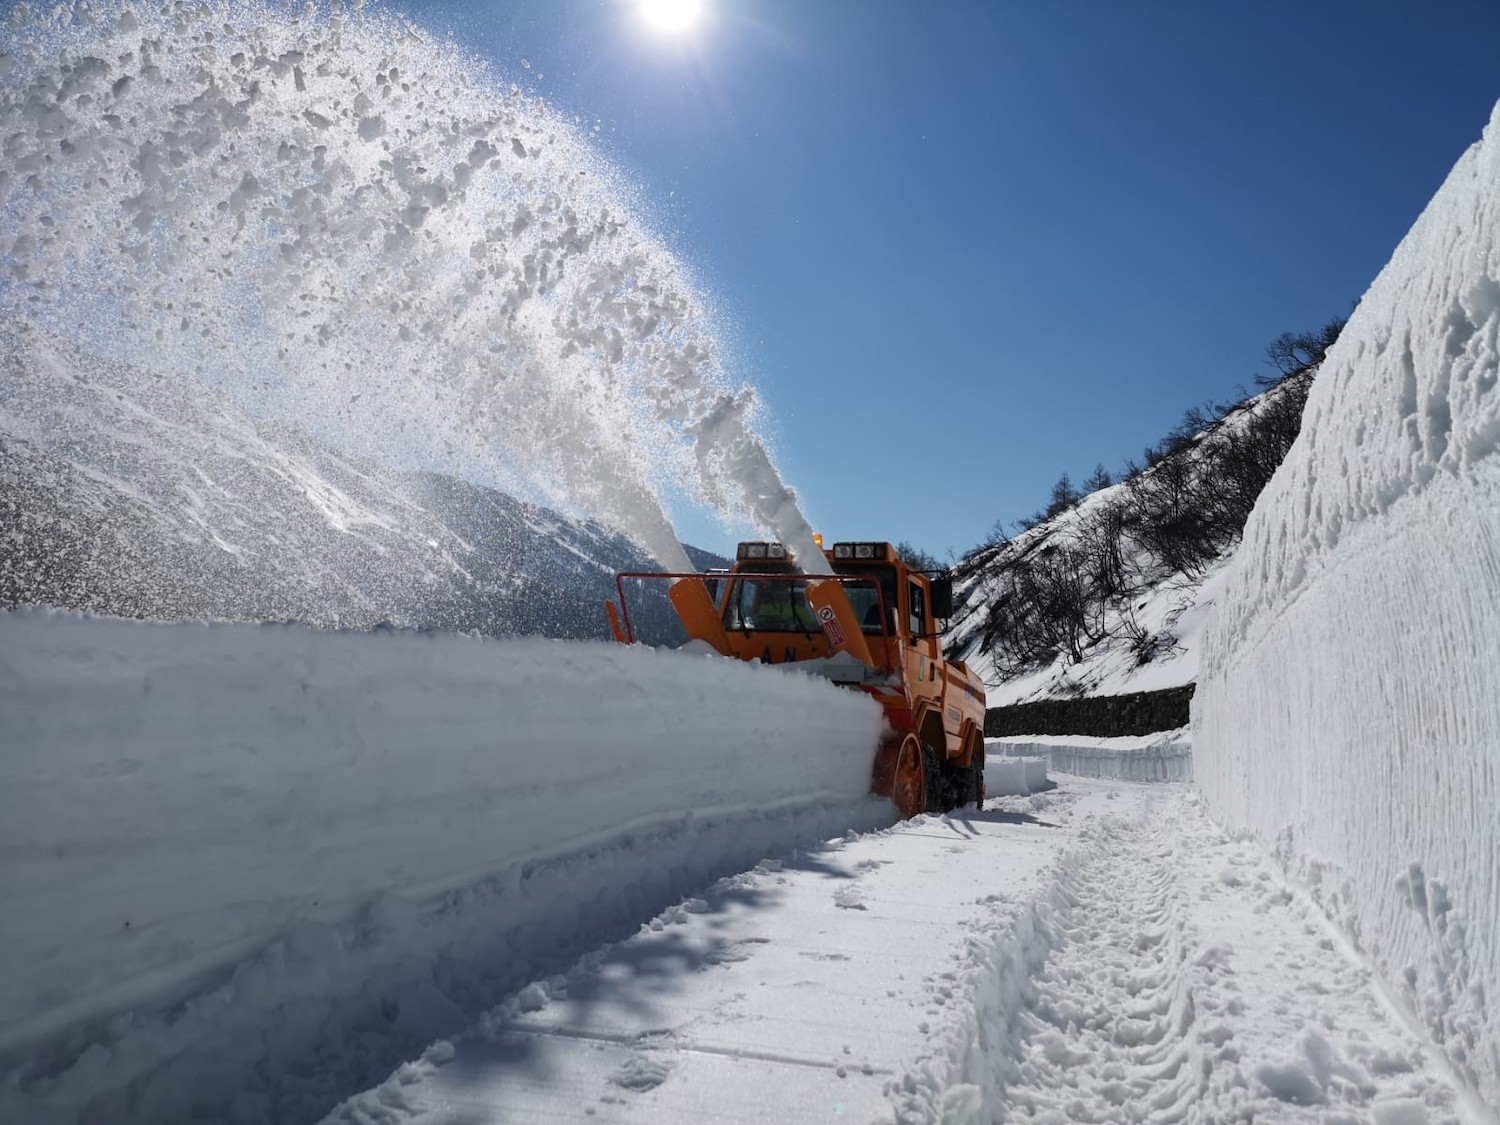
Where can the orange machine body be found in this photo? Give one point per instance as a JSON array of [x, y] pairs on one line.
[[872, 626]]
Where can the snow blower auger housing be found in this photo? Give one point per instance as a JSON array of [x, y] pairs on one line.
[[870, 626]]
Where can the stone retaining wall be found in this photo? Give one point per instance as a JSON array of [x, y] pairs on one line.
[[1106, 716]]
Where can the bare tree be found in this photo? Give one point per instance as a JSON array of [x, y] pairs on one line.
[[1246, 456], [1064, 496], [1168, 502], [1098, 479], [1294, 352], [1101, 547], [917, 558]]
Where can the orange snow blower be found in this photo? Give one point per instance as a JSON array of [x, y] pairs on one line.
[[871, 626]]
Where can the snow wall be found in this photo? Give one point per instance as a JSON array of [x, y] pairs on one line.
[[1166, 756], [177, 796], [1348, 707]]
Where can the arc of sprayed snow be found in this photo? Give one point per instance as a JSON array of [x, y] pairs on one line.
[[403, 315], [730, 453]]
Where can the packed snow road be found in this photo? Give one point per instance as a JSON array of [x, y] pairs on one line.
[[1101, 952]]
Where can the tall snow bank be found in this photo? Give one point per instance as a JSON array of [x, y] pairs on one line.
[[177, 796], [1348, 708]]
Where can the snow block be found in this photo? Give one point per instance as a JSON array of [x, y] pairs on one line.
[[1005, 777], [1013, 777], [1348, 710], [1163, 757]]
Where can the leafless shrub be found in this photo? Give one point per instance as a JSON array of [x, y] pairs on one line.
[[1101, 545], [1169, 508], [1292, 353]]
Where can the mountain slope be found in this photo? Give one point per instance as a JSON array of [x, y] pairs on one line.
[[125, 493], [1109, 595]]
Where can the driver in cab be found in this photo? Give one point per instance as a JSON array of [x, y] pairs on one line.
[[781, 607]]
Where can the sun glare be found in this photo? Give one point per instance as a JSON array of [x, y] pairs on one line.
[[671, 15]]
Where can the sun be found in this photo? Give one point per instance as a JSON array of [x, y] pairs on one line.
[[671, 15]]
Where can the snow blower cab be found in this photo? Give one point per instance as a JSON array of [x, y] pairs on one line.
[[871, 625]]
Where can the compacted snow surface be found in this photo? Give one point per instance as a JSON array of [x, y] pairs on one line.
[[1101, 952]]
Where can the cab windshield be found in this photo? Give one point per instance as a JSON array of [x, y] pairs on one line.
[[866, 602], [769, 605]]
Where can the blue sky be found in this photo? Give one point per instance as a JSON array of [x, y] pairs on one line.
[[963, 247]]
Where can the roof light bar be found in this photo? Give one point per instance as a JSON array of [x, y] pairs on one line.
[[758, 550], [861, 550]]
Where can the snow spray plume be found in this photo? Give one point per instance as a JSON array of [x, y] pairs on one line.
[[728, 449], [338, 220]]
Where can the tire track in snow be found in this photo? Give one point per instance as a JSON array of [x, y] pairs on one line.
[[1169, 974], [1113, 1029]]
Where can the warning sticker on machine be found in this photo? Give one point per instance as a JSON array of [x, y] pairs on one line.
[[831, 627]]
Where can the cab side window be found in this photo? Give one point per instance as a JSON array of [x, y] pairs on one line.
[[916, 603], [737, 606]]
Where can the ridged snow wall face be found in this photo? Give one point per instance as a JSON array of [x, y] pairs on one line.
[[178, 798], [1348, 709]]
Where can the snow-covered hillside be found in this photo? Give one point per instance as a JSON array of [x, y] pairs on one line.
[[1348, 711], [1110, 595], [1164, 621]]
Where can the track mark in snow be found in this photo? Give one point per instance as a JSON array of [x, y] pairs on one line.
[[1132, 965], [1113, 1030], [641, 1073], [1161, 972], [1185, 983], [849, 898]]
